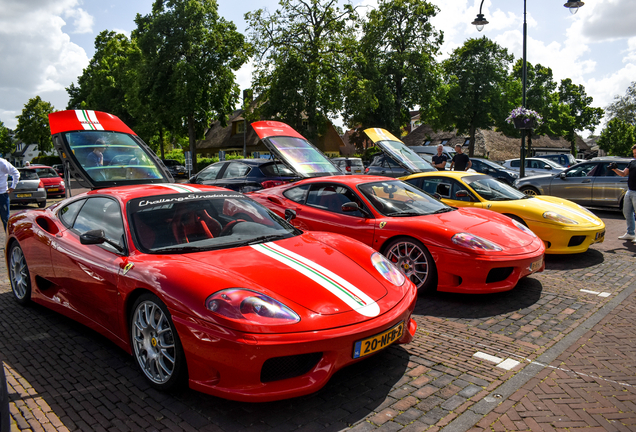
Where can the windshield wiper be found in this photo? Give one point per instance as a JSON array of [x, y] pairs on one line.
[[179, 249], [405, 213], [443, 210], [261, 239]]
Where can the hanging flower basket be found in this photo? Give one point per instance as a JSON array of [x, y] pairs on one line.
[[524, 118]]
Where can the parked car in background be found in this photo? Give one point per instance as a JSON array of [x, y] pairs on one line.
[[51, 180], [59, 168], [590, 183], [565, 159], [176, 168], [29, 190], [245, 175], [534, 166], [432, 150], [349, 165], [495, 170]]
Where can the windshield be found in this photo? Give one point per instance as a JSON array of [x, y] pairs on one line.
[[491, 164], [46, 172], [396, 198], [493, 190], [28, 174], [303, 157], [405, 156], [183, 223], [111, 156]]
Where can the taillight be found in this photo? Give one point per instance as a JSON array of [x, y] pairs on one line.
[[366, 170], [271, 183], [41, 185], [348, 169]]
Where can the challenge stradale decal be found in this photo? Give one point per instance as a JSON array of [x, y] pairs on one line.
[[352, 296], [88, 120]]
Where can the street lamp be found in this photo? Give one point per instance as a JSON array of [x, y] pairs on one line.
[[480, 22]]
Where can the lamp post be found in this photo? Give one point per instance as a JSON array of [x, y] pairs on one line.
[[480, 22]]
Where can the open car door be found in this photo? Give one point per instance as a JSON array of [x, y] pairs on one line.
[[294, 150], [396, 150], [101, 151]]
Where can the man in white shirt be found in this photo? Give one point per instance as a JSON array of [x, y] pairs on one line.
[[6, 170]]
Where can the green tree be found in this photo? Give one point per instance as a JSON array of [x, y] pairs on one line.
[[475, 89], [395, 68], [105, 84], [303, 50], [617, 138], [33, 124], [624, 107], [581, 115], [186, 71], [6, 142]]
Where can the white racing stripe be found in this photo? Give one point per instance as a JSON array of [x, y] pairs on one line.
[[180, 188], [88, 120], [345, 291]]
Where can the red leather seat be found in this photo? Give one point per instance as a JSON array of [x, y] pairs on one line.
[[190, 225]]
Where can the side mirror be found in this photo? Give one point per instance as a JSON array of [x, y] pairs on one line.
[[437, 196], [548, 167], [562, 175], [97, 237], [350, 207], [461, 194], [92, 237], [290, 214]]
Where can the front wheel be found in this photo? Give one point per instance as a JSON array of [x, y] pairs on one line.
[[414, 260], [19, 275], [530, 191], [155, 343]]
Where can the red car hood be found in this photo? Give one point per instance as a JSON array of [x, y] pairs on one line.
[[305, 271]]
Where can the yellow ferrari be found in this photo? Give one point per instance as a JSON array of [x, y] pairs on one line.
[[564, 227]]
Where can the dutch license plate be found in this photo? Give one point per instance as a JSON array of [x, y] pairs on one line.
[[53, 190], [23, 195], [600, 236], [375, 343], [536, 265]]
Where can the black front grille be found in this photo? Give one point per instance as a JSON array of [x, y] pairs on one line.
[[279, 368], [499, 274], [576, 241]]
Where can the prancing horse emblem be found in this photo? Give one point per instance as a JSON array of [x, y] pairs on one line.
[[382, 224]]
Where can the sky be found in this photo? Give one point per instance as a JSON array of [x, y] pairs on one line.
[[46, 44]]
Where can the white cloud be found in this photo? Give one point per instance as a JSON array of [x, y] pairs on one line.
[[609, 19], [82, 20], [38, 57]]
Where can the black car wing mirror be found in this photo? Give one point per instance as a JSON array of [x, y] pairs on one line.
[[352, 207], [437, 196], [461, 194], [97, 237], [290, 215]]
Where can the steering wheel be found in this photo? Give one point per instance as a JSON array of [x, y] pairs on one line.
[[227, 228]]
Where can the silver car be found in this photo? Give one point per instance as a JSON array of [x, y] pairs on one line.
[[590, 183], [29, 189], [534, 166]]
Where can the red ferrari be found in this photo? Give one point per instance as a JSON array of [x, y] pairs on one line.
[[200, 284], [466, 250]]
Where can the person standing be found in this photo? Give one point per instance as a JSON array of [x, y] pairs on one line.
[[6, 170], [461, 161], [629, 202], [440, 159]]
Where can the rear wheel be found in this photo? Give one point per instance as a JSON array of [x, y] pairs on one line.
[[155, 343], [530, 191], [19, 275], [414, 260]]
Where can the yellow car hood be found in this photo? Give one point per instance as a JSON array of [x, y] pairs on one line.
[[536, 206]]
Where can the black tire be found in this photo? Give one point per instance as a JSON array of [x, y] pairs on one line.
[[19, 275], [159, 354], [530, 190], [42, 204], [414, 260]]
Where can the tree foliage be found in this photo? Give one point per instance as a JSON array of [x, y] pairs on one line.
[[395, 68], [6, 142], [475, 89], [624, 107], [302, 53], [33, 124], [106, 83], [186, 71], [581, 116], [618, 137]]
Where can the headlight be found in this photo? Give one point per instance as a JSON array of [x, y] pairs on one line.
[[243, 305], [387, 269], [556, 217], [473, 242], [62, 183], [514, 175], [523, 228]]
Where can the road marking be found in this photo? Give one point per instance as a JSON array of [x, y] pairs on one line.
[[506, 364], [596, 293]]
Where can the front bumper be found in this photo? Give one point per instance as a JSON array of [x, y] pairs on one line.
[[460, 272], [567, 239], [228, 364]]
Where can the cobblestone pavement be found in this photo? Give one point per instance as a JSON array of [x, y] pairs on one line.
[[544, 356]]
